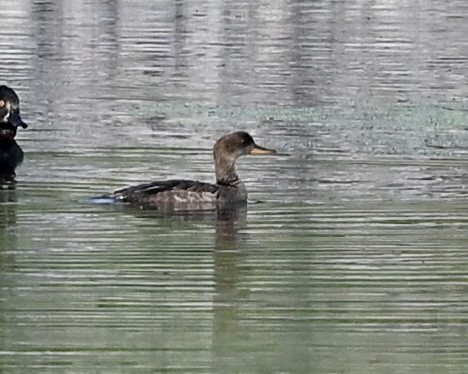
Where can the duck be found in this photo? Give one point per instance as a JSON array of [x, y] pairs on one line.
[[11, 154], [182, 194]]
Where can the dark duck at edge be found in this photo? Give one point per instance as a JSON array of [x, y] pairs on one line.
[[179, 194], [11, 154]]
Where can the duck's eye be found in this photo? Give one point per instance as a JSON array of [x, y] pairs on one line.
[[2, 103]]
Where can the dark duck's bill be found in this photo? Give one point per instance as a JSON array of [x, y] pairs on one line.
[[179, 194]]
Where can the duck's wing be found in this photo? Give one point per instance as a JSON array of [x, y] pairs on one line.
[[172, 192]]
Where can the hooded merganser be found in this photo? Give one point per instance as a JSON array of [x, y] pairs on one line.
[[180, 194], [11, 155]]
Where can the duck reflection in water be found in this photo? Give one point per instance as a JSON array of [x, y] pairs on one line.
[[181, 195], [8, 237], [223, 204], [8, 206], [11, 154]]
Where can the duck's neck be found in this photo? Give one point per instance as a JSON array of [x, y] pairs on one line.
[[226, 171]]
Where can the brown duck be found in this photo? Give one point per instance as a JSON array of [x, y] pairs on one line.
[[189, 195]]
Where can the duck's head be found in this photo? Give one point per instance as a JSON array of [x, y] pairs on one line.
[[9, 108], [226, 151], [238, 144]]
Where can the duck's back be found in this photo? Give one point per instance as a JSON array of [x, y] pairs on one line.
[[176, 194]]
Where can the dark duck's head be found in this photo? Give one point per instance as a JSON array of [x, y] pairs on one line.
[[228, 149], [10, 118]]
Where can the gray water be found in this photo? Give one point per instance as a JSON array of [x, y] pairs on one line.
[[352, 255]]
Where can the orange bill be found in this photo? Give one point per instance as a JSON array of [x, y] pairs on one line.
[[257, 150]]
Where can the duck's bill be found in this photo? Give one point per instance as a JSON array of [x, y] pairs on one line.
[[16, 120], [257, 150]]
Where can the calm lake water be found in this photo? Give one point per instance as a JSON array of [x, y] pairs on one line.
[[352, 256]]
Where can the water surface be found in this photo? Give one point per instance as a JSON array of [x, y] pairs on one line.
[[351, 255]]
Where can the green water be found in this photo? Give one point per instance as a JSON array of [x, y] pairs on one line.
[[351, 256]]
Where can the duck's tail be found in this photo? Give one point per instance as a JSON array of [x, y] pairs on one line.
[[103, 199]]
